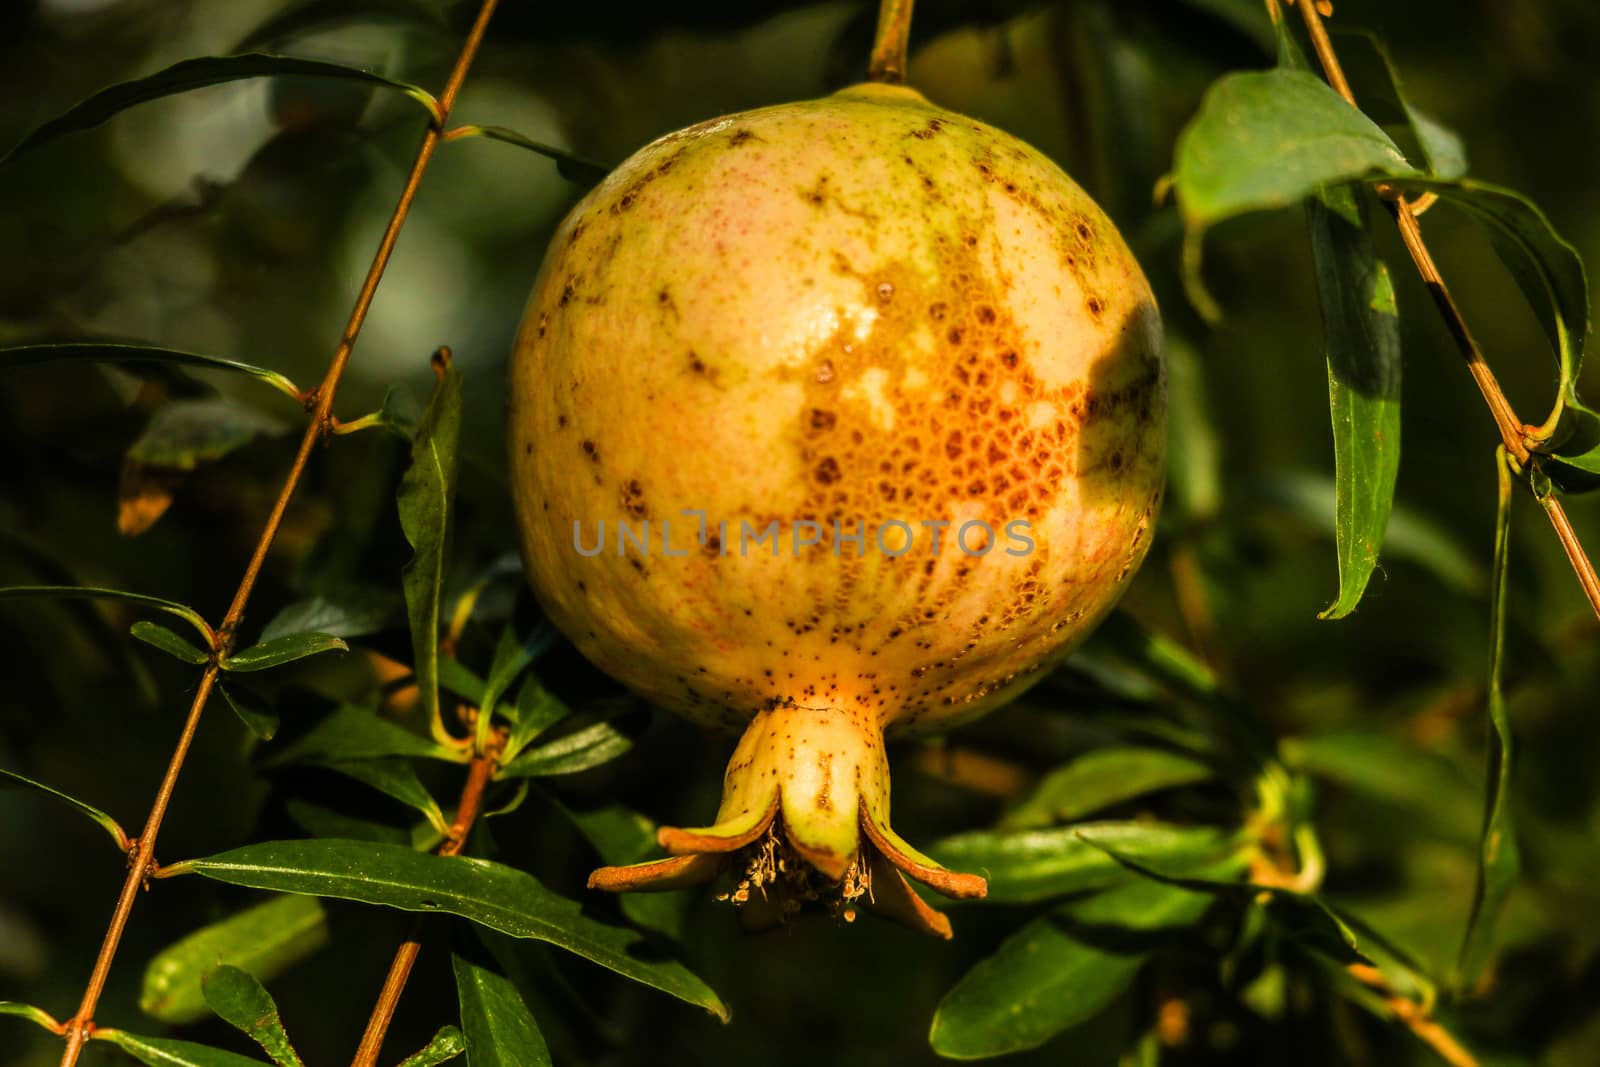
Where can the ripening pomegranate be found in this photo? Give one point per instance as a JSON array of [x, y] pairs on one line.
[[827, 421]]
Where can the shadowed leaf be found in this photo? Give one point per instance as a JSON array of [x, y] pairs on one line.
[[578, 171], [499, 1029], [157, 636], [355, 732], [97, 352], [166, 1052], [244, 1003], [13, 780], [1100, 779]]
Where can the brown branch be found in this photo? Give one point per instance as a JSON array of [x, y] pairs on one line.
[[1414, 1017], [141, 862], [479, 774], [893, 39], [1513, 432]]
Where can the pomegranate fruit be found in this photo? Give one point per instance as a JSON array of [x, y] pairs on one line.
[[831, 420]]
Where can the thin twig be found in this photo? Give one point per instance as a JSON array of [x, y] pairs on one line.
[[1414, 1017], [479, 774], [1513, 432], [889, 47], [142, 861]]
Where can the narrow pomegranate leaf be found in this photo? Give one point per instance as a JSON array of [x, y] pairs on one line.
[[398, 779], [76, 592], [29, 1012], [183, 434], [166, 1052], [499, 1029], [426, 492], [264, 939], [1499, 859], [356, 732], [158, 636], [1100, 779], [1268, 139], [590, 746], [13, 780], [350, 612], [107, 352], [537, 709], [244, 1003], [1029, 865], [573, 168], [198, 73], [1060, 969], [511, 658], [446, 1045], [1550, 273], [252, 710], [1427, 787], [1361, 331], [281, 650], [490, 894], [1377, 84]]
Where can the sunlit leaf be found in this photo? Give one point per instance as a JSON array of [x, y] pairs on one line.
[[590, 746], [190, 74], [491, 894], [29, 1012], [13, 780], [499, 1029], [1381, 93], [244, 1003], [537, 709], [107, 352], [424, 500], [157, 636], [446, 1045], [1100, 779], [264, 939], [1361, 331], [281, 650]]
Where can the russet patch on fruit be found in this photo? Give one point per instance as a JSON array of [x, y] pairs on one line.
[[863, 323]]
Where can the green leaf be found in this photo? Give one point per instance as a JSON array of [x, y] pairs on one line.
[[491, 894], [1361, 330], [198, 73], [1059, 970], [1550, 273], [1499, 859], [1269, 139], [182, 434], [158, 636], [165, 1052], [354, 612], [29, 1012], [499, 1029], [446, 1045], [424, 500], [281, 650], [579, 171], [580, 750], [13, 780], [537, 709], [458, 679], [252, 710], [265, 939], [1427, 788], [75, 592], [1377, 84], [356, 732], [1029, 865], [106, 352], [244, 1003], [1100, 779], [396, 778], [511, 658], [310, 16], [622, 836], [323, 821]]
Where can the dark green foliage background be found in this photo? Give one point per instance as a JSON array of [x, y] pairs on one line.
[[238, 221]]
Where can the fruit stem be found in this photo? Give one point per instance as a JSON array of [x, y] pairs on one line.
[[889, 47]]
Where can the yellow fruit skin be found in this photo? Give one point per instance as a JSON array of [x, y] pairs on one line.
[[864, 308]]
